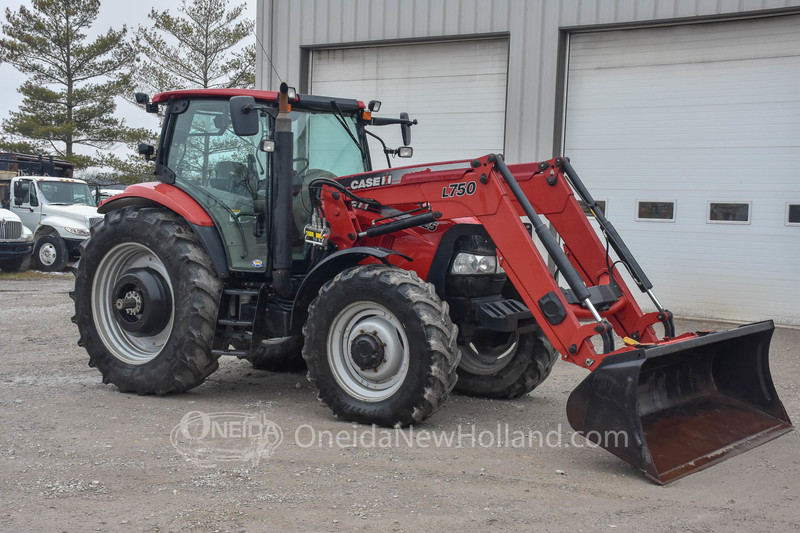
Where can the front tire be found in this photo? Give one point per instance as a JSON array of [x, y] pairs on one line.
[[504, 365], [380, 346], [50, 253], [146, 302]]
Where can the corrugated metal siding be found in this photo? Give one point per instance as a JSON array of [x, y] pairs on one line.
[[288, 25], [697, 114]]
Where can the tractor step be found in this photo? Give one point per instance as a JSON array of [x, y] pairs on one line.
[[241, 292], [235, 353], [235, 323]]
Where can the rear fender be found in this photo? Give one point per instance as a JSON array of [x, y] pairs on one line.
[[326, 270], [174, 199]]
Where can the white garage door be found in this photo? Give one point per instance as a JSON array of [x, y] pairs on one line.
[[692, 135], [456, 90]]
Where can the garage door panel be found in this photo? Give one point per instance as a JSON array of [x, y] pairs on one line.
[[682, 45], [456, 91], [696, 114]]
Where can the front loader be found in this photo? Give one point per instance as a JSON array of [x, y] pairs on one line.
[[269, 237]]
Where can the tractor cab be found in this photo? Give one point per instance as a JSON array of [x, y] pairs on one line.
[[231, 172]]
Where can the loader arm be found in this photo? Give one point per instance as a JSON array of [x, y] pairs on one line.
[[479, 190]]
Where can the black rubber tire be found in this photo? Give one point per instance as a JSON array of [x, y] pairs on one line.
[[528, 366], [185, 360], [60, 248], [280, 355], [19, 264], [431, 337]]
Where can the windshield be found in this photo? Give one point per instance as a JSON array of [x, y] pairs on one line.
[[322, 144], [66, 193]]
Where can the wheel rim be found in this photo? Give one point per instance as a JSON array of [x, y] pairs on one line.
[[489, 354], [354, 322], [47, 254], [125, 346]]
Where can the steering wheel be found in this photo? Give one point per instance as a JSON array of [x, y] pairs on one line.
[[302, 169]]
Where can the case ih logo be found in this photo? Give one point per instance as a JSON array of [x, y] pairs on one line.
[[376, 181], [206, 439]]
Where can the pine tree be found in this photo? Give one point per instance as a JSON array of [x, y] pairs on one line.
[[199, 48], [68, 99]]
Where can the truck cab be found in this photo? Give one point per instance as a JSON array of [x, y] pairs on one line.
[[59, 212]]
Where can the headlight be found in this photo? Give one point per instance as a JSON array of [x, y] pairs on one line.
[[80, 232], [28, 234], [470, 264]]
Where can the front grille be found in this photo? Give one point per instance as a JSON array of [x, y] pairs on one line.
[[10, 230]]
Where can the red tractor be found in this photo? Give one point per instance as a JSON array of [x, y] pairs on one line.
[[270, 237]]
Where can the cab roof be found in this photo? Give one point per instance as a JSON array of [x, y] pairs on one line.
[[306, 101]]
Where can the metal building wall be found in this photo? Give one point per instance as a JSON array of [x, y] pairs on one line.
[[289, 29]]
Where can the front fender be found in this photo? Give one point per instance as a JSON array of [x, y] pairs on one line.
[[326, 270], [55, 224]]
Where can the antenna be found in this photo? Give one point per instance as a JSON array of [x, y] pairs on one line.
[[266, 54]]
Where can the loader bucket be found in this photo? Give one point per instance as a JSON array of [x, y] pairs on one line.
[[673, 409]]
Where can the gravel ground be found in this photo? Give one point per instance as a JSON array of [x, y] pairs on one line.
[[77, 455]]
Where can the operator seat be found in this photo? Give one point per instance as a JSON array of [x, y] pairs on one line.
[[229, 176]]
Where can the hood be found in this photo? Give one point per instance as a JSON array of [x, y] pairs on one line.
[[5, 214], [75, 212]]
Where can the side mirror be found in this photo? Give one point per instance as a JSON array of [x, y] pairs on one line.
[[142, 98], [244, 116], [405, 129], [405, 151], [147, 150], [17, 201]]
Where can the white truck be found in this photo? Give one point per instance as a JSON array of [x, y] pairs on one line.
[[59, 212], [16, 242]]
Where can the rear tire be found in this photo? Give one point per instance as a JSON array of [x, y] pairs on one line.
[[507, 369], [50, 253], [380, 346], [173, 354]]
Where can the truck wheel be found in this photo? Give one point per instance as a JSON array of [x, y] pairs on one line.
[[279, 355], [146, 302], [50, 253], [380, 346], [504, 365], [18, 264]]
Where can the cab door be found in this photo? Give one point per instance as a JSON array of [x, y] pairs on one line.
[[25, 203]]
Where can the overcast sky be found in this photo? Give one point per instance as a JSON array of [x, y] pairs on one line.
[[113, 14]]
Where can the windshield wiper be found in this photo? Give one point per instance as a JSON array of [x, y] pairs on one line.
[[340, 118]]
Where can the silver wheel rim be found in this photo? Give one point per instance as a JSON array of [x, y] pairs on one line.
[[474, 361], [47, 254], [128, 348], [371, 385]]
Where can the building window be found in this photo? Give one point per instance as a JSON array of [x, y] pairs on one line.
[[729, 212], [793, 214], [601, 205], [661, 211]]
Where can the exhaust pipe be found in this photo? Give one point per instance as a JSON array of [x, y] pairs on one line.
[[282, 202], [676, 408]]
